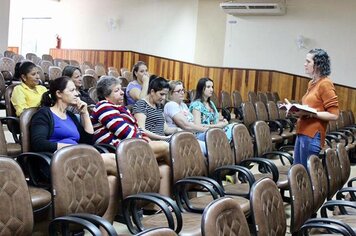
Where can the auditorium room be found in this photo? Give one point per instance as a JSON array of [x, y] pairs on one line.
[[177, 117]]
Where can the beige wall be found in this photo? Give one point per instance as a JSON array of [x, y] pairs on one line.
[[4, 24], [270, 42], [209, 46], [198, 31], [158, 27]]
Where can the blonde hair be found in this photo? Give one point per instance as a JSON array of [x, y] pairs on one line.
[[172, 85]]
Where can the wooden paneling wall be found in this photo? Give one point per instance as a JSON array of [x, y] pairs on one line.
[[229, 79]]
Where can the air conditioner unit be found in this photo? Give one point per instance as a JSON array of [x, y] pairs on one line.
[[254, 7]]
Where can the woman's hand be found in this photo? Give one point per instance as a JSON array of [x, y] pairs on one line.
[[166, 138], [82, 106], [145, 77], [223, 123]]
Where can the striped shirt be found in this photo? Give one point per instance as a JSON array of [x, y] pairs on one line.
[[113, 123], [154, 116]]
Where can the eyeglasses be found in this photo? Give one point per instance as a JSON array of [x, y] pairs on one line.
[[179, 91]]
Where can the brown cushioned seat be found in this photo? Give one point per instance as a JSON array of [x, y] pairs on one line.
[[264, 146], [267, 209], [140, 176], [40, 198], [224, 217], [15, 203], [189, 162]]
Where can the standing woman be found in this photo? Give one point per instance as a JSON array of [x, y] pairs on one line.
[[321, 96], [29, 92], [137, 89], [204, 110]]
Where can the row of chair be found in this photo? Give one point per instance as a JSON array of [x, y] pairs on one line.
[[219, 147], [7, 65], [79, 178]]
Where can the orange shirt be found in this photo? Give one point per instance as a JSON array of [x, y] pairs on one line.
[[321, 96]]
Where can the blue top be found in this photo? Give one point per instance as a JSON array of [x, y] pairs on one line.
[[208, 116], [64, 131], [131, 85]]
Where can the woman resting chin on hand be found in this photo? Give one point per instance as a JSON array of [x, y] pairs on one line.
[[52, 126]]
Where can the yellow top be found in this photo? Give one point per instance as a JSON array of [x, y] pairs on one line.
[[24, 97]]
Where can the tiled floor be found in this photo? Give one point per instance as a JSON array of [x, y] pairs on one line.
[[122, 229]]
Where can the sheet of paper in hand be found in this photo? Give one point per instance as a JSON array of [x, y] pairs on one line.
[[294, 107]]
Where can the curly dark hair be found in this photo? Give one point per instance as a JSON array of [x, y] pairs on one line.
[[321, 61]]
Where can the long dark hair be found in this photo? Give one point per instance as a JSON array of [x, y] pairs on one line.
[[200, 88], [321, 61], [49, 98], [23, 68]]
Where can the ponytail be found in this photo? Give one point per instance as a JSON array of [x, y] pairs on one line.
[[49, 98]]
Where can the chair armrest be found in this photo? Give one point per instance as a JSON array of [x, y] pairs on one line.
[[238, 112], [173, 206], [351, 190], [217, 187], [340, 203], [30, 163], [130, 209], [11, 118], [332, 225], [65, 221], [349, 183], [97, 221], [348, 133], [275, 125], [15, 128], [281, 156], [342, 135], [287, 124], [181, 193], [265, 165], [286, 148], [245, 175]]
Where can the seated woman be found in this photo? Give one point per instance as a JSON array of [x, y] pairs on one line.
[[177, 113], [76, 75], [113, 122], [137, 88], [29, 92], [204, 110], [53, 127], [149, 112]]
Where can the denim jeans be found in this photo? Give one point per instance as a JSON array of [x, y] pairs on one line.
[[304, 147], [201, 139]]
